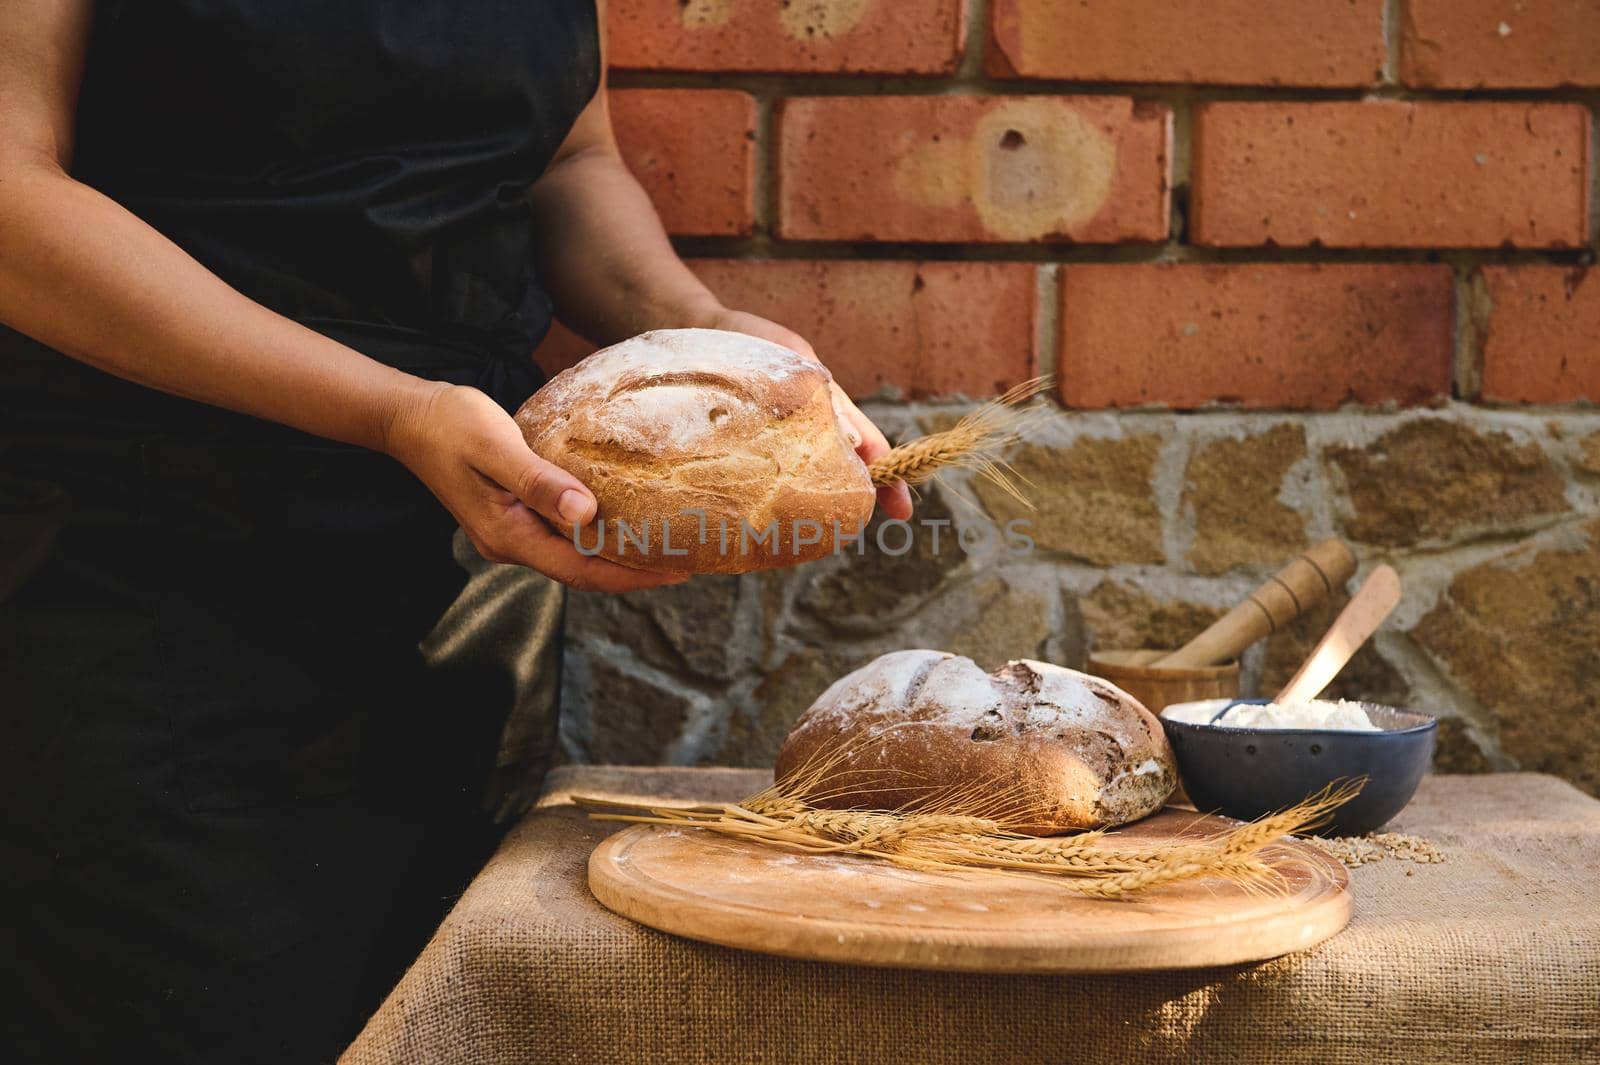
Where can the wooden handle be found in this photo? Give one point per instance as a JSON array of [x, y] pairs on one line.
[[1378, 595], [1297, 587]]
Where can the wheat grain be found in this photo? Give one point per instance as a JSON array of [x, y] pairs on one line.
[[1354, 851]]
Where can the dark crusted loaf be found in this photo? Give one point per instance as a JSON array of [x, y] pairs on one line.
[[1049, 748]]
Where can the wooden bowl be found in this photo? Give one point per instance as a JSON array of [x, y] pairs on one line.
[[1160, 688]]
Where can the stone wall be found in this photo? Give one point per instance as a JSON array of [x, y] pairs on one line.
[[1146, 527]]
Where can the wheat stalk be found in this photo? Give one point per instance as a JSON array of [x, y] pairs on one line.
[[966, 828], [970, 443]]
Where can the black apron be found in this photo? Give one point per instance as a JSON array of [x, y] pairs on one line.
[[235, 794]]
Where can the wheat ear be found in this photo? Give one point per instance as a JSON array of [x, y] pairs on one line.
[[971, 443], [959, 836]]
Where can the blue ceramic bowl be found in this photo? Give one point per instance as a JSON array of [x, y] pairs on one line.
[[1248, 772]]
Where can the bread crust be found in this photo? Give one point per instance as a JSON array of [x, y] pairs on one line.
[[707, 452], [1050, 748]]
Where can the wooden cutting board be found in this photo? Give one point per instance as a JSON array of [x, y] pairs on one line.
[[865, 911]]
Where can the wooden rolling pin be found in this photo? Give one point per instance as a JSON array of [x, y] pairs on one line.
[[1300, 585]]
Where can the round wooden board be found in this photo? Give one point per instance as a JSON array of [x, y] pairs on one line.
[[865, 911]]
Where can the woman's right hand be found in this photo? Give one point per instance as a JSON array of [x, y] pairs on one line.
[[472, 456]]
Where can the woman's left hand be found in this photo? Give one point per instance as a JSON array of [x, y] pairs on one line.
[[868, 440]]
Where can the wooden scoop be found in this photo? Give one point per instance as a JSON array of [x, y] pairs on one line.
[[1378, 595], [1300, 585]]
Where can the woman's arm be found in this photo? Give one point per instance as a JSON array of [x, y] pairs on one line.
[[613, 273], [603, 253], [85, 276]]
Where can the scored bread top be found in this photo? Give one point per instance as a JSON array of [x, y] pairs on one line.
[[674, 392]]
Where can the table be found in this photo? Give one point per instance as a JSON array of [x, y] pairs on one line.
[[1492, 956]]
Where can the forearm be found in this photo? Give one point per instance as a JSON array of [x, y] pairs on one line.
[[82, 274], [604, 255]]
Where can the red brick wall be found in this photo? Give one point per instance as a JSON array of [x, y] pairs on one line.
[[1290, 204]]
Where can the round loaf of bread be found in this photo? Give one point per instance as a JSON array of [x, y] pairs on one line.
[[707, 452], [1042, 748]]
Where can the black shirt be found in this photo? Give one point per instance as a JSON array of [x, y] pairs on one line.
[[358, 165]]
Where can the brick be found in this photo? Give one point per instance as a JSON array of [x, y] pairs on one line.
[[693, 150], [787, 36], [1389, 174], [1286, 335], [1219, 42], [930, 329], [923, 330], [1542, 343], [1469, 44], [973, 169]]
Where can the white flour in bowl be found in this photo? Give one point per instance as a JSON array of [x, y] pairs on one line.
[[1316, 714]]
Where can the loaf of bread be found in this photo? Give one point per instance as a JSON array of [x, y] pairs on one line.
[[707, 452], [1045, 748]]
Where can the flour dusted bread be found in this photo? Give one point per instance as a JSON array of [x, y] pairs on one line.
[[1054, 748], [700, 420]]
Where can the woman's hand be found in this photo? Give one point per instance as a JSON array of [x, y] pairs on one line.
[[472, 456], [894, 500]]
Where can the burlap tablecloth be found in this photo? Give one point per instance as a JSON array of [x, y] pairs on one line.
[[1493, 956]]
